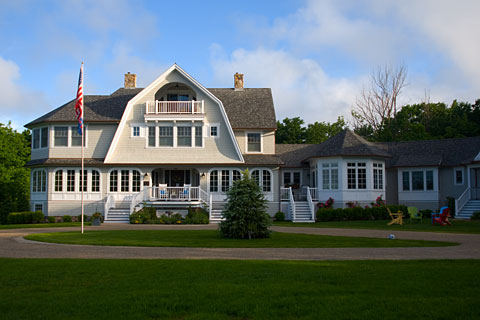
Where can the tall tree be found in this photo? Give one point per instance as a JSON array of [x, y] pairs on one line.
[[321, 131], [14, 177], [378, 102], [290, 131]]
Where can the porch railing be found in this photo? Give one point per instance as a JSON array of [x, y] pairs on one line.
[[138, 198], [175, 107], [284, 194], [109, 203], [310, 203], [462, 200], [185, 193]]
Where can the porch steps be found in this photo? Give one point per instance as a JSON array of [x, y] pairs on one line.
[[117, 215], [216, 216], [468, 209], [302, 212]]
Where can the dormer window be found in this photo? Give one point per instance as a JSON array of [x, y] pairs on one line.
[[254, 143]]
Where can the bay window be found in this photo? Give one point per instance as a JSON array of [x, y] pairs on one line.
[[330, 176]]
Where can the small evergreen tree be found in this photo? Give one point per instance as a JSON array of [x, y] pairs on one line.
[[245, 212]]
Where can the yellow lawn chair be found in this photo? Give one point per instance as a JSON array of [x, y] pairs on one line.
[[397, 217]]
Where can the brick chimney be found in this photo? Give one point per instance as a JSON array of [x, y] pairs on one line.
[[238, 80], [130, 81]]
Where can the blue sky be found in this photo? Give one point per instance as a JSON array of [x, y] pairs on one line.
[[315, 55]]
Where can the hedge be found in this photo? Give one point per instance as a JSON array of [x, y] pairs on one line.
[[25, 217], [358, 213]]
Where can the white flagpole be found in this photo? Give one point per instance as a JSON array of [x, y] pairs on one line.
[[83, 139]]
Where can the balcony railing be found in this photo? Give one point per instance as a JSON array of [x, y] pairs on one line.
[[175, 107]]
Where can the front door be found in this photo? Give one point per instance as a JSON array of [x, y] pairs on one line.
[[177, 178]]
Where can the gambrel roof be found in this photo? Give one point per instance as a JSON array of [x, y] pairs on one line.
[[251, 108]]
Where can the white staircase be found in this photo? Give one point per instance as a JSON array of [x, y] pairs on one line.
[[117, 212], [302, 212], [468, 209], [216, 216]]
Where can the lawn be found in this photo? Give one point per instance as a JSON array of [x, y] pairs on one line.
[[458, 226], [211, 289], [43, 225], [212, 239]]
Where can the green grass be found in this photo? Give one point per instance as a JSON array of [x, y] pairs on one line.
[[43, 225], [212, 239], [210, 289], [458, 226]]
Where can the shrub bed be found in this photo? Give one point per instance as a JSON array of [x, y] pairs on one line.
[[149, 216], [358, 213], [25, 217]]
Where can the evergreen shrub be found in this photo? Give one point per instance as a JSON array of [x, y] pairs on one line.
[[245, 212], [25, 217], [358, 213]]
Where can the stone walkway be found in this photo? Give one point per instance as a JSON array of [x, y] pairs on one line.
[[12, 245]]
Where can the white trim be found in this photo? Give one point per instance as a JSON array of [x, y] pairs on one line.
[[144, 92], [260, 169], [261, 141], [77, 180], [40, 136]]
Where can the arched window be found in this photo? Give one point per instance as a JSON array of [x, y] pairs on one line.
[[214, 181], [114, 181], [263, 178], [236, 175]]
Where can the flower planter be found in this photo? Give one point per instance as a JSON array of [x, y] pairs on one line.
[[96, 222]]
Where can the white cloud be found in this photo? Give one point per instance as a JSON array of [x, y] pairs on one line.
[[300, 86], [16, 101]]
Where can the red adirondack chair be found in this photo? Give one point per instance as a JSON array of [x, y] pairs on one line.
[[442, 217]]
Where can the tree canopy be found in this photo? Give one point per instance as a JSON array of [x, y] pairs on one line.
[[14, 177], [293, 131]]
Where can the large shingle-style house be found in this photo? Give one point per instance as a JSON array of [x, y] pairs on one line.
[[176, 144]]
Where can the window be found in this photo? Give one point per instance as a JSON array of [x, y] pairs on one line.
[[198, 136], [286, 178], [136, 131], [459, 176], [38, 207], [429, 179], [59, 181], [236, 175], [125, 181], [214, 181], [166, 136], [76, 137], [36, 139], [70, 180], [135, 181], [114, 181], [356, 175], [83, 181], [406, 181], [213, 131], [417, 180], [253, 142], [151, 136], [225, 180], [39, 181], [44, 137], [421, 180], [95, 181], [184, 136], [267, 181], [263, 178], [60, 136], [377, 176], [330, 176]]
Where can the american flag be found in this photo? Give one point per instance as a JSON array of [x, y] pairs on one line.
[[79, 103]]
